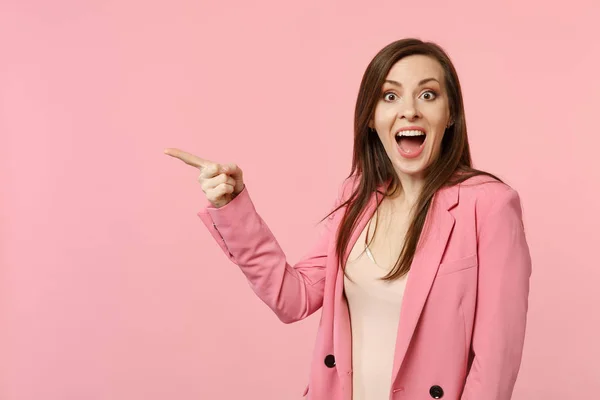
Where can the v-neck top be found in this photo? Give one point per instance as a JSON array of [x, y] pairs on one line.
[[374, 307]]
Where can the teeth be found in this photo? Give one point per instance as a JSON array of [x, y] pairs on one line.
[[410, 133]]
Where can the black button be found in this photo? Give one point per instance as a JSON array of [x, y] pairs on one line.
[[330, 361], [436, 392]]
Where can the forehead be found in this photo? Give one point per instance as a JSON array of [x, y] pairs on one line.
[[414, 68]]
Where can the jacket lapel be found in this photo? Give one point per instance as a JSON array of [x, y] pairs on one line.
[[424, 268]]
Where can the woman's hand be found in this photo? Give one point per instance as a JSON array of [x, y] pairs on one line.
[[220, 182]]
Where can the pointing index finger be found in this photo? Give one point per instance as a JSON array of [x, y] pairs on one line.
[[188, 158]]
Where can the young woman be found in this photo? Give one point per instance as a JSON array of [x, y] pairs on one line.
[[422, 271]]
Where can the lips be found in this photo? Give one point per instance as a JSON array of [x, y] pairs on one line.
[[410, 141]]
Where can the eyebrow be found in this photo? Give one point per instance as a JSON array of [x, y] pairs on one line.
[[422, 82]]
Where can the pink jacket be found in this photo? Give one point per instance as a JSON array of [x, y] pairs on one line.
[[464, 310]]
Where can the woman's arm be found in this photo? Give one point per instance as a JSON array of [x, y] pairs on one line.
[[292, 292], [502, 301]]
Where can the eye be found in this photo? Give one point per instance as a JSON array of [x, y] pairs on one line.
[[429, 95], [386, 96]]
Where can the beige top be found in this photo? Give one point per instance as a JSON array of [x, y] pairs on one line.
[[374, 307]]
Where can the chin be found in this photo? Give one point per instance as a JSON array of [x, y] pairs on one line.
[[413, 168], [415, 174]]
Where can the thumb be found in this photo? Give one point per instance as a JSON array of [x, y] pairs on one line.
[[236, 173], [232, 170]]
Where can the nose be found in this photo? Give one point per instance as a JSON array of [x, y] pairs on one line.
[[409, 110]]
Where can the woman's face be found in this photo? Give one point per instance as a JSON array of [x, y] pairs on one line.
[[412, 113]]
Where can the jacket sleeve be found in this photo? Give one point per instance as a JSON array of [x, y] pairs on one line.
[[502, 302], [293, 292]]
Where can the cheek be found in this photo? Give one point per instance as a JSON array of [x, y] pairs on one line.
[[438, 120], [384, 115], [437, 143], [436, 146], [388, 144], [439, 114]]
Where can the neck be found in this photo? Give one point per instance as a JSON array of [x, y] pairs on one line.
[[410, 189]]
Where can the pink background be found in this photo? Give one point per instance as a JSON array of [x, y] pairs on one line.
[[111, 288]]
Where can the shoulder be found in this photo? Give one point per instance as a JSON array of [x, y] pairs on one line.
[[488, 196], [484, 187]]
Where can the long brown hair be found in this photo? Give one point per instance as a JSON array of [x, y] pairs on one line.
[[371, 166]]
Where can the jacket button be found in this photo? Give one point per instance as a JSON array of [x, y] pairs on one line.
[[436, 392], [330, 361]]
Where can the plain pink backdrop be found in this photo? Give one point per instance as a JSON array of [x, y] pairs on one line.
[[110, 286]]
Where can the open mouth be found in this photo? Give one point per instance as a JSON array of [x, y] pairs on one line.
[[410, 142]]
